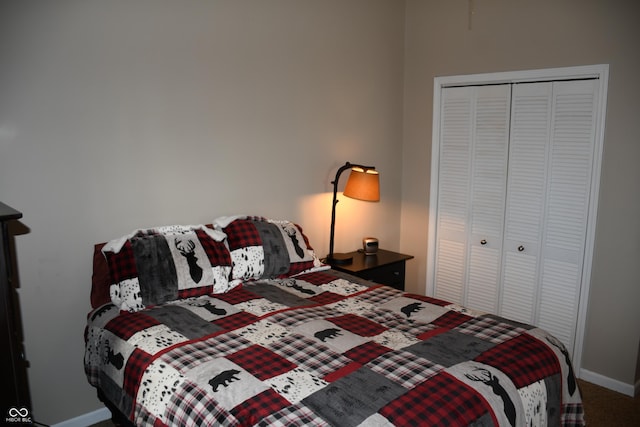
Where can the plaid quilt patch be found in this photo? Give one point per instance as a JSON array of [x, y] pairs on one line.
[[241, 233], [358, 325], [326, 298], [490, 329], [199, 406], [258, 407], [293, 415], [318, 277], [524, 359], [261, 362], [136, 365], [451, 319], [237, 320], [405, 368], [366, 352], [314, 357], [196, 352], [430, 300], [124, 266], [237, 296], [450, 403], [295, 317], [128, 324], [272, 353]]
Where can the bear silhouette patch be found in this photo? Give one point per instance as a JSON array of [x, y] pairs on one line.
[[325, 334], [224, 378]]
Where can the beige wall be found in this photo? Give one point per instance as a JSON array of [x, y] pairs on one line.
[[120, 114], [508, 35]]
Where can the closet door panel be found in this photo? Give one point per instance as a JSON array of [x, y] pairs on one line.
[[526, 196], [519, 287], [570, 169], [473, 159], [483, 284], [559, 300], [450, 270], [453, 193], [490, 149]]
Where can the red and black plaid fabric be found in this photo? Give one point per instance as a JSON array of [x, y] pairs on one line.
[[310, 355], [358, 325], [195, 292], [261, 362], [430, 300], [122, 265], [216, 251], [450, 403], [451, 319], [137, 363], [242, 233], [524, 359], [238, 295], [254, 410], [318, 278], [199, 406], [366, 352], [326, 298], [236, 321], [127, 324]]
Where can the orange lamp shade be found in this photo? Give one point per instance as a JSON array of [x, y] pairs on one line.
[[363, 185]]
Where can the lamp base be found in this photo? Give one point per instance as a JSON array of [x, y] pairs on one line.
[[339, 259]]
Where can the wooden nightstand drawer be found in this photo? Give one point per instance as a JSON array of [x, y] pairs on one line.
[[391, 275], [385, 267]]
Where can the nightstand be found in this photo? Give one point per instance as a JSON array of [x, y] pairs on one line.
[[385, 267]]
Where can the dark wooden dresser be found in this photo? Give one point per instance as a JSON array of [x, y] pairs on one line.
[[13, 366]]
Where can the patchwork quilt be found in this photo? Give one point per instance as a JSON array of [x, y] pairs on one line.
[[326, 349]]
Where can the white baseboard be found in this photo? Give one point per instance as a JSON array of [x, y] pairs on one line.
[[610, 383], [86, 419]]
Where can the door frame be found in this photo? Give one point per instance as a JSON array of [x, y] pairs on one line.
[[599, 71]]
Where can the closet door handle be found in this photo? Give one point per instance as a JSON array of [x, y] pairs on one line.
[[483, 242], [520, 248]]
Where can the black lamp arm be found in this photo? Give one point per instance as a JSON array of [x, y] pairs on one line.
[[343, 168]]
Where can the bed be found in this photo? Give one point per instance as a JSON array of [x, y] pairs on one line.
[[237, 323]]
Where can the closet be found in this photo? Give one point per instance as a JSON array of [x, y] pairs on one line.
[[515, 171]]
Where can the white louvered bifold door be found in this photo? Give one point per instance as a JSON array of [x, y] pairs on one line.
[[488, 185], [471, 192], [568, 190], [550, 166], [453, 193], [526, 189]]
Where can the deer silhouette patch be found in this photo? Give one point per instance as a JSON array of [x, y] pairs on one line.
[[571, 380], [116, 359], [291, 232], [187, 249], [484, 376], [224, 378]]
